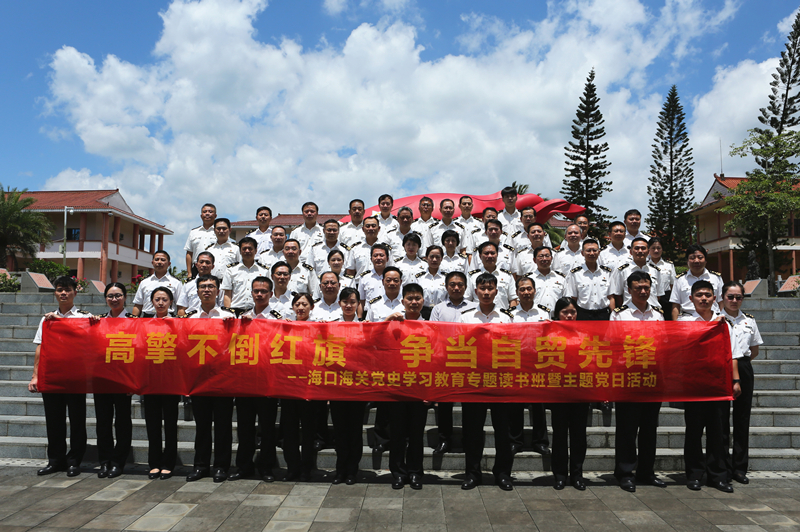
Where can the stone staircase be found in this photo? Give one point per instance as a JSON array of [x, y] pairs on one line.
[[775, 424]]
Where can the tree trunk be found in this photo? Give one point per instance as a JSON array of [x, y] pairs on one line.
[[771, 285]]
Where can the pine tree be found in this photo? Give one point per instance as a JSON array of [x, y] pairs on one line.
[[784, 102], [671, 189], [586, 161]]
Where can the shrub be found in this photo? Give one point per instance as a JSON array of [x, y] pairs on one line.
[[8, 283], [52, 270]]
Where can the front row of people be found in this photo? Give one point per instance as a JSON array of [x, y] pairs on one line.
[[303, 421]]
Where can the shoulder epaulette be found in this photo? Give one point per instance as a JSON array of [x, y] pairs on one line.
[[363, 274], [463, 254], [576, 269], [316, 244], [512, 248], [232, 264], [505, 233], [467, 310], [349, 276], [374, 299], [293, 293], [81, 311], [559, 249], [106, 315], [715, 273], [667, 260], [506, 271], [558, 273], [420, 274], [473, 272], [684, 313], [198, 227], [507, 312], [132, 316], [317, 300], [308, 267], [392, 229], [515, 235], [211, 245], [729, 322], [620, 309], [458, 225], [656, 267], [276, 314], [680, 275], [606, 268], [624, 266], [388, 245], [477, 230], [190, 313], [435, 223], [544, 308], [233, 242], [345, 246], [227, 309], [657, 309], [748, 315]]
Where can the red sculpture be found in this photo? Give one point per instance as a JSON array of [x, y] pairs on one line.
[[545, 209]]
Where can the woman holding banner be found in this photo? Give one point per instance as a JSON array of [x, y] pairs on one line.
[[161, 408], [297, 413], [109, 406], [569, 423]]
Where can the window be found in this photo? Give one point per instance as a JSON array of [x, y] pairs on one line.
[[73, 234]]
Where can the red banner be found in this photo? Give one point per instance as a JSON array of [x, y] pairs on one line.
[[413, 360]]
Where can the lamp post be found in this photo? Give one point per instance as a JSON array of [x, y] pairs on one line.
[[64, 244]]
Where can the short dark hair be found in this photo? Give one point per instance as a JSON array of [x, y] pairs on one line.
[[121, 286], [528, 229], [487, 209], [330, 221], [413, 288], [248, 240], [702, 284], [279, 264], [162, 252], [385, 196], [639, 276], [373, 217], [309, 204], [508, 191], [347, 292], [335, 252], [494, 221], [381, 246], [204, 278], [356, 201], [485, 278], [561, 304], [462, 198], [590, 241], [65, 281], [443, 202], [223, 220], [390, 269], [580, 216], [541, 248], [405, 208], [526, 278], [631, 211], [164, 289], [434, 248], [455, 273], [732, 284], [485, 244], [639, 239], [274, 227], [264, 208], [615, 223], [262, 279], [298, 297], [694, 248], [528, 208], [331, 273], [411, 237], [653, 240], [295, 241], [451, 234], [209, 205], [425, 198], [206, 254]]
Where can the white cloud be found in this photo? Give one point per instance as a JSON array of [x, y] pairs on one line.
[[785, 25], [220, 115], [718, 52], [334, 7]]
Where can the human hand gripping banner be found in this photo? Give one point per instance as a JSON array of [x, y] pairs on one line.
[[412, 360]]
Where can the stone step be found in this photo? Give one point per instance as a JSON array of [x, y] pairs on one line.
[[39, 309], [16, 373], [16, 345], [780, 338], [771, 381], [782, 367], [771, 303], [596, 459], [776, 398], [770, 314], [783, 326], [18, 331], [18, 358], [772, 352]]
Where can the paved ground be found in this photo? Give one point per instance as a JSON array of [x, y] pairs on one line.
[[770, 503]]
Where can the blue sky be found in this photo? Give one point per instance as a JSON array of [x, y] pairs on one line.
[[344, 98]]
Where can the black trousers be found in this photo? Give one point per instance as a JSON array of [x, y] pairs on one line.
[[569, 439], [407, 427], [706, 415], [56, 406], [158, 409], [216, 412], [444, 420], [473, 419], [538, 423], [297, 414], [602, 314], [636, 419], [247, 410], [113, 412], [348, 428], [382, 420], [738, 462]]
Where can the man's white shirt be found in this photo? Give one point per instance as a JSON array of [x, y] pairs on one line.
[[307, 237], [283, 304], [629, 238], [239, 279], [360, 258], [381, 307], [682, 289], [152, 282], [536, 313], [447, 311], [215, 313], [268, 313], [198, 240], [270, 257], [506, 287], [590, 289], [566, 259], [318, 256], [464, 236], [370, 285], [613, 257], [632, 313], [303, 280], [475, 315], [263, 239], [432, 285], [506, 257], [189, 300], [224, 254], [325, 312], [619, 282], [549, 288]]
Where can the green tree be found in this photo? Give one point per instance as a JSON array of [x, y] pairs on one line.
[[771, 192], [20, 230], [521, 189], [784, 100], [671, 188], [586, 161]]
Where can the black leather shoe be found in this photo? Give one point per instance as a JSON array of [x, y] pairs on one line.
[[516, 448], [559, 484], [579, 484], [741, 478], [292, 477], [220, 475], [541, 449], [166, 475], [268, 477], [114, 472], [628, 484], [443, 447], [693, 485], [350, 480], [49, 469], [398, 483], [73, 471], [721, 486], [504, 483], [415, 481], [196, 474], [103, 473], [152, 475], [338, 479], [239, 474], [305, 477], [470, 483], [655, 481]]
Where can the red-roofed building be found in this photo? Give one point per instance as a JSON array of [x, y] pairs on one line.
[[105, 240], [723, 246]]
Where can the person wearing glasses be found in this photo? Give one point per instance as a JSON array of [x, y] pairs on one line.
[[113, 410], [748, 338]]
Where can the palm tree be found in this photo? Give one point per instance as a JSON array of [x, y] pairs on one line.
[[521, 189], [20, 230]]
